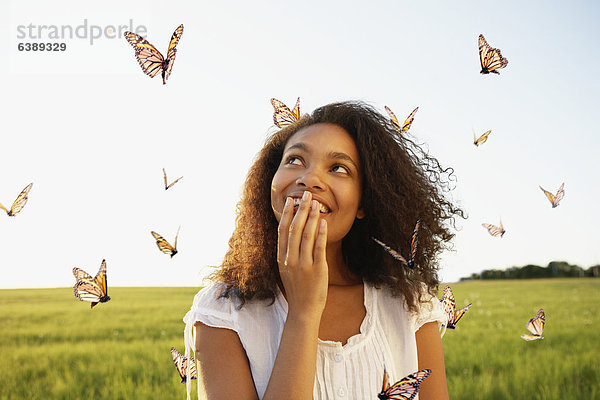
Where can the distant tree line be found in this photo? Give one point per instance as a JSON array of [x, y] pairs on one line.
[[555, 269]]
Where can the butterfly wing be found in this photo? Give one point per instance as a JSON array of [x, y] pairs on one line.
[[81, 275], [175, 242], [393, 119], [282, 116], [149, 58], [100, 279], [19, 202], [163, 245], [167, 186], [88, 291], [494, 230], [482, 139], [448, 305], [458, 315], [413, 245], [172, 51], [490, 58], [409, 120], [391, 251], [408, 387], [559, 195], [181, 363]]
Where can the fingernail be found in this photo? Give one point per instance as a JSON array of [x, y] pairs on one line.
[[287, 202], [306, 195], [313, 206]]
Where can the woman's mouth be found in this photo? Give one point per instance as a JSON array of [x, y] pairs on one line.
[[322, 207]]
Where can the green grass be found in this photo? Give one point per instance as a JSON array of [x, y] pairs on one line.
[[55, 347], [487, 359]]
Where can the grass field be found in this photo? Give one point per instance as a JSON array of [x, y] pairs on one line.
[[55, 347]]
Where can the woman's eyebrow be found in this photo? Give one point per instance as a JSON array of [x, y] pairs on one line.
[[342, 156], [332, 154]]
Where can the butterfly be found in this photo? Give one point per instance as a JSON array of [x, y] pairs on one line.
[[536, 326], [407, 123], [19, 202], [164, 246], [491, 59], [167, 186], [282, 116], [495, 230], [555, 199], [448, 305], [482, 139], [405, 389], [181, 363], [413, 248], [150, 59], [91, 289]]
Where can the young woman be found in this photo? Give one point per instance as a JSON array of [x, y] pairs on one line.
[[306, 305]]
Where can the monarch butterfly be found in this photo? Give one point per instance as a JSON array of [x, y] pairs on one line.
[[536, 326], [150, 59], [495, 230], [491, 59], [19, 202], [555, 199], [482, 139], [405, 389], [91, 289], [167, 186], [448, 305], [407, 123], [164, 246], [413, 248], [282, 116], [181, 363]]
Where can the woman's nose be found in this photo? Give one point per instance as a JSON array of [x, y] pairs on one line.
[[310, 178]]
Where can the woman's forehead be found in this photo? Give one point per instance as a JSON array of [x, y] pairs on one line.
[[323, 138]]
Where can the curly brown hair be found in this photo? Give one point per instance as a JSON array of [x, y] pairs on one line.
[[400, 184]]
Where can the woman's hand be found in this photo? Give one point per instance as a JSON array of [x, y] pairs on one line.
[[302, 240]]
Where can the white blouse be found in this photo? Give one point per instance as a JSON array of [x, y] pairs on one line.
[[350, 371]]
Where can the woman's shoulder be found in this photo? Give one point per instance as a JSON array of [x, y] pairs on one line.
[[215, 305], [393, 305]]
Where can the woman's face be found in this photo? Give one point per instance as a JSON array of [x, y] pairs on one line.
[[323, 159]]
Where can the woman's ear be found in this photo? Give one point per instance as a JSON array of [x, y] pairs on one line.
[[360, 214]]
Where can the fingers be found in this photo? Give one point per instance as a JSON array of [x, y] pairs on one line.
[[321, 244], [310, 232], [297, 227], [282, 230]]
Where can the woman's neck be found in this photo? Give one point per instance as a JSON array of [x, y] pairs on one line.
[[339, 273]]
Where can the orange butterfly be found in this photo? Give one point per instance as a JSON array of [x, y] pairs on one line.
[[167, 186], [282, 116], [482, 139], [94, 290], [181, 363], [405, 389], [555, 199], [413, 248], [495, 230], [407, 123], [491, 59], [536, 326], [19, 203], [449, 307], [164, 246], [150, 59]]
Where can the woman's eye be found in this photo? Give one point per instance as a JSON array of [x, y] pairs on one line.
[[340, 168], [293, 160]]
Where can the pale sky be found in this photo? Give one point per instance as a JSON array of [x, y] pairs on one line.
[[92, 132]]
